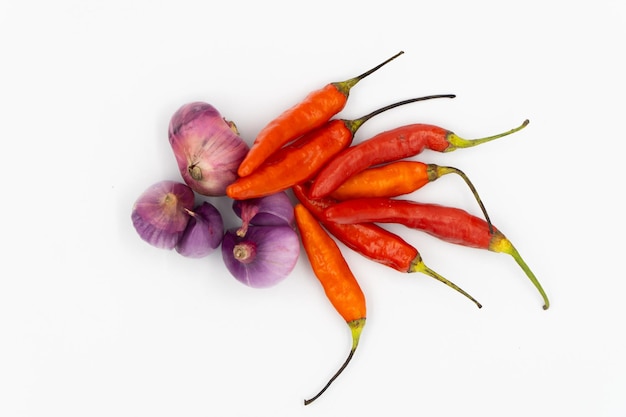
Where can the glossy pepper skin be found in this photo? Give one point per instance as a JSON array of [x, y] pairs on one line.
[[450, 224], [311, 113], [392, 145], [447, 223], [293, 164], [330, 267], [389, 180], [317, 108], [367, 239]]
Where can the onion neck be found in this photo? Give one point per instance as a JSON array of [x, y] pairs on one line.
[[248, 211]]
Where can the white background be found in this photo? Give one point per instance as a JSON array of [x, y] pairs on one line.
[[95, 322]]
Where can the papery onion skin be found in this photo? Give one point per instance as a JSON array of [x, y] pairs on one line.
[[208, 150], [203, 233], [276, 252], [160, 214], [272, 210]]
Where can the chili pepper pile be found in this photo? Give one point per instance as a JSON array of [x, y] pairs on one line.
[[344, 190]]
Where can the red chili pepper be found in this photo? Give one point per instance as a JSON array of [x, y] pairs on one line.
[[373, 242], [315, 110], [300, 160], [338, 281], [392, 145], [398, 178], [447, 223]]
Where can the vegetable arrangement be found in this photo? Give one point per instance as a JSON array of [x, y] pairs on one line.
[[342, 192]]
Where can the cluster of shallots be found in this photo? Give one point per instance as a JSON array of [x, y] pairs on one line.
[[175, 215]]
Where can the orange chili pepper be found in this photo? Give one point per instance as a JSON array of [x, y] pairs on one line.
[[398, 178], [338, 281], [315, 110], [300, 160]]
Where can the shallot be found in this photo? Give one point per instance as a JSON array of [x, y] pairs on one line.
[[263, 257], [161, 213], [208, 149]]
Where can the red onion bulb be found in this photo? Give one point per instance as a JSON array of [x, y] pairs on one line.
[[207, 148], [161, 213], [262, 258], [203, 233]]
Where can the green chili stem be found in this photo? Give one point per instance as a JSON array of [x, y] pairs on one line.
[[419, 266], [458, 142], [501, 244]]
